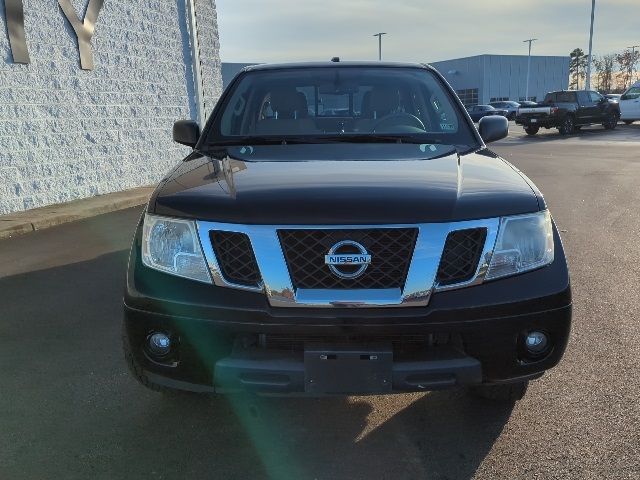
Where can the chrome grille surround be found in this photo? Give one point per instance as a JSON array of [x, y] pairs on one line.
[[420, 281], [391, 249]]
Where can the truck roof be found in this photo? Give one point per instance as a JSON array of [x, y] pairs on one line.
[[340, 64]]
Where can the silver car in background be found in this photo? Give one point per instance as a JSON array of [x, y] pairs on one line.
[[509, 106]]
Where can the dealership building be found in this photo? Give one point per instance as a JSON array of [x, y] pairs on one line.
[[488, 78], [87, 111]]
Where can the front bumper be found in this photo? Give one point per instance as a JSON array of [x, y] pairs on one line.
[[472, 335]]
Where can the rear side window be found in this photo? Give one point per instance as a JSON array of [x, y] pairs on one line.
[[584, 98], [595, 96], [566, 97]]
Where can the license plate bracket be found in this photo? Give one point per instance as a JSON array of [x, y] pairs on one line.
[[348, 369]]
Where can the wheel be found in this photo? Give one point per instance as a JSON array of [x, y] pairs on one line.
[[508, 392], [610, 122], [568, 125], [531, 130], [138, 372], [628, 122]]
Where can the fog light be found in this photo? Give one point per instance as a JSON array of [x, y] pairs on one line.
[[536, 343], [159, 344]]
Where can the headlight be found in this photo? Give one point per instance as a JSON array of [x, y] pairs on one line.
[[524, 243], [171, 245]]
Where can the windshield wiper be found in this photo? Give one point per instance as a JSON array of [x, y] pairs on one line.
[[252, 140], [320, 139], [365, 138]]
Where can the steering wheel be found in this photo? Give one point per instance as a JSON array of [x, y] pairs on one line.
[[399, 119]]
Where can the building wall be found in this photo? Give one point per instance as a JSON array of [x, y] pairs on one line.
[[211, 66], [505, 76], [68, 133]]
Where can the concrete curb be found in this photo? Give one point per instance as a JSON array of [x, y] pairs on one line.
[[39, 218]]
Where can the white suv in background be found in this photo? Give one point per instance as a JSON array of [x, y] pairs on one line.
[[630, 104]]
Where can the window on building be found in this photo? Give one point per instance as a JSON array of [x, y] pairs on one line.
[[468, 97], [499, 99]]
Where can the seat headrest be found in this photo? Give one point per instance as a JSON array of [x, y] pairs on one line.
[[285, 101], [384, 100], [365, 109], [302, 106]]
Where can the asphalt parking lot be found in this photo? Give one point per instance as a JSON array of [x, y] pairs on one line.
[[69, 409]]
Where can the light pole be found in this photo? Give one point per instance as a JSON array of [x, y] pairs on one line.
[[379, 35], [531, 40], [593, 11], [633, 63]]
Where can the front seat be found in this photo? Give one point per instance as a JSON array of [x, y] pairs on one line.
[[290, 114], [381, 101]]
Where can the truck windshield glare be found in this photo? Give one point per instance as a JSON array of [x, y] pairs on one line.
[[343, 104]]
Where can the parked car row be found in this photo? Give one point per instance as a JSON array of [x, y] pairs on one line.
[[478, 112], [506, 108], [569, 110], [509, 106]]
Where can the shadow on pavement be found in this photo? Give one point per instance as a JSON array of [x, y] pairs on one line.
[[69, 409]]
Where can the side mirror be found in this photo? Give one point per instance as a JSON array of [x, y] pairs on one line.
[[624, 97], [495, 127], [186, 132]]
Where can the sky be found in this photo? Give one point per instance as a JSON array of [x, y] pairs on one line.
[[261, 31]]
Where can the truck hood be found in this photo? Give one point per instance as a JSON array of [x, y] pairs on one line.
[[315, 184]]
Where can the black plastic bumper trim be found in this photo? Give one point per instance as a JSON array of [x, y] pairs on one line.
[[278, 373]]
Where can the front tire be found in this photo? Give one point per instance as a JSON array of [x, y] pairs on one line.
[[508, 393], [610, 122], [531, 130], [568, 126]]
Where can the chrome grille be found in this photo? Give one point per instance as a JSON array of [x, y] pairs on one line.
[[461, 255], [391, 250], [235, 257]]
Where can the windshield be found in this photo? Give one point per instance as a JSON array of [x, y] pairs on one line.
[[351, 104]]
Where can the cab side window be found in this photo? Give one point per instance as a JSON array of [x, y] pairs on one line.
[[595, 97], [583, 98]]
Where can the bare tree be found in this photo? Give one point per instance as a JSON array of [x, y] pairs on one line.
[[604, 67], [577, 67], [627, 61]]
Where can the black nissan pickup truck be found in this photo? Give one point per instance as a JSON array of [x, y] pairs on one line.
[[373, 246], [568, 110]]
